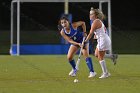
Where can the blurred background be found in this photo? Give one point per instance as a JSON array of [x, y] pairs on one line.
[[39, 23]]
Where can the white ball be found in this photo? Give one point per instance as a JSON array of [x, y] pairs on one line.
[[75, 80]]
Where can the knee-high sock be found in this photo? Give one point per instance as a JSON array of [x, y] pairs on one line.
[[89, 64], [103, 66], [72, 63]]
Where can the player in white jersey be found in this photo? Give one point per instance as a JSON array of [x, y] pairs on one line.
[[103, 40]]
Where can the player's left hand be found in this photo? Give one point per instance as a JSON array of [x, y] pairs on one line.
[[81, 45]]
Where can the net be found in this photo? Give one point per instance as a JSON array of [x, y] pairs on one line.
[[35, 22]]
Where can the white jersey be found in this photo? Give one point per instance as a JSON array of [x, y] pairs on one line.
[[104, 42]]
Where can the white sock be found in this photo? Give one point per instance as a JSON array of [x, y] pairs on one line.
[[103, 66]]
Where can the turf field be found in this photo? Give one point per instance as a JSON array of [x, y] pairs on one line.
[[49, 74]]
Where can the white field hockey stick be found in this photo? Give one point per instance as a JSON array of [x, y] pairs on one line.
[[79, 56]]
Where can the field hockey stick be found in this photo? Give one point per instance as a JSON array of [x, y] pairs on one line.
[[79, 56]]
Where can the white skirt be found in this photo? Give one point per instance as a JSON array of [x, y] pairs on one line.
[[104, 43]]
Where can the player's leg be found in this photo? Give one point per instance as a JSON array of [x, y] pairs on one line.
[[88, 59], [113, 57], [107, 46], [102, 62], [96, 52], [72, 50]]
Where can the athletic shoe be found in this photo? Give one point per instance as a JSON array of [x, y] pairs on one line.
[[73, 72], [114, 58], [105, 75], [92, 74]]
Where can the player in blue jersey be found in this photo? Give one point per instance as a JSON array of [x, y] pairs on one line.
[[74, 36]]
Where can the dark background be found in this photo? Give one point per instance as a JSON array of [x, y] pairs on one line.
[[125, 22]]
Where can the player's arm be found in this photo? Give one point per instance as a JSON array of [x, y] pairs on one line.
[[68, 39], [80, 23], [94, 26]]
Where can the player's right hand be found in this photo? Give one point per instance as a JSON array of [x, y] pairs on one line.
[[85, 34]]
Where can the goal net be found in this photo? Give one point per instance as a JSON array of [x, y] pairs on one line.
[[34, 23]]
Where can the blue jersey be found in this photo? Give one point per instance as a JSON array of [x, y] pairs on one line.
[[75, 34]]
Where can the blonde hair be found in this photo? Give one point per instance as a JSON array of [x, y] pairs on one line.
[[98, 13]]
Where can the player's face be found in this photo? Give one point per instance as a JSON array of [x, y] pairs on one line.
[[64, 23], [92, 15]]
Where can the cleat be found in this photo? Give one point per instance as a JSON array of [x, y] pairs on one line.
[[73, 72], [92, 74], [114, 58], [105, 75]]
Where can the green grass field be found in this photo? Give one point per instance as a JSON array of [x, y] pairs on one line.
[[49, 74]]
